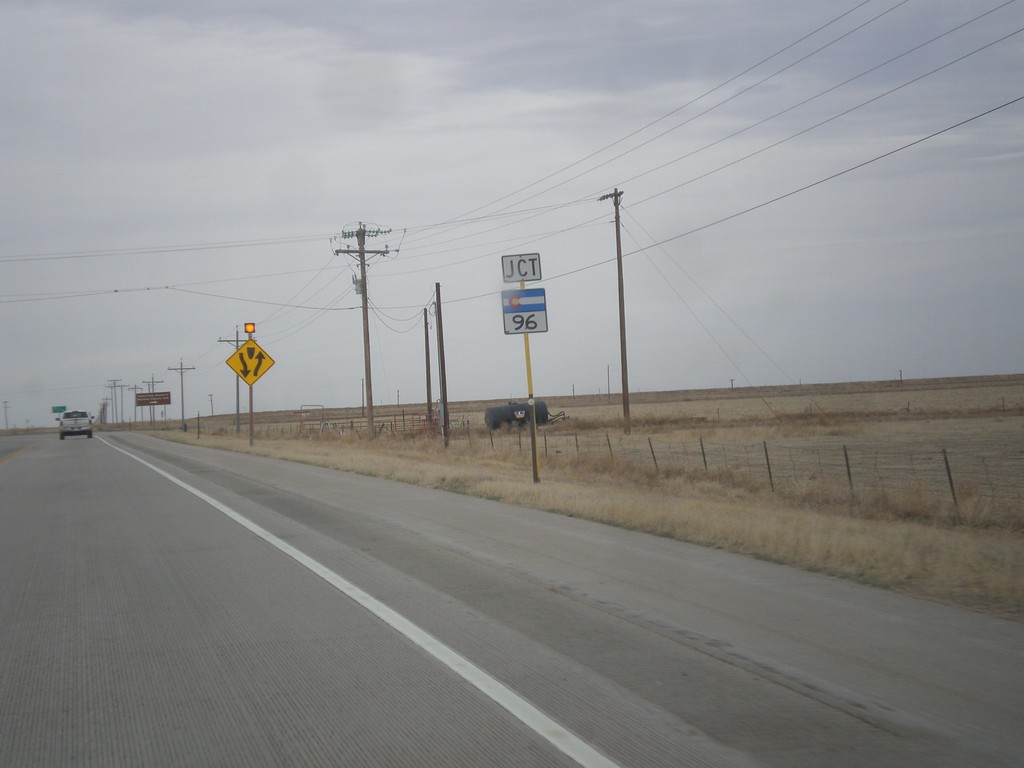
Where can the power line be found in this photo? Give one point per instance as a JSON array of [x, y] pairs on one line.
[[836, 175], [458, 220], [770, 201], [532, 212], [526, 214], [810, 128], [258, 301], [712, 108], [160, 249], [710, 298], [527, 242], [464, 219]]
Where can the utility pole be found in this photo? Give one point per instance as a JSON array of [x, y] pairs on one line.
[[616, 197], [122, 387], [135, 388], [181, 374], [153, 381], [445, 422], [238, 402], [112, 383], [428, 400], [360, 234], [426, 355]]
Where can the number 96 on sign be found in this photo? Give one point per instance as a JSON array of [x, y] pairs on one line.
[[524, 311]]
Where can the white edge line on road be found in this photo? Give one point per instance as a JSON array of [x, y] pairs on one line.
[[559, 736]]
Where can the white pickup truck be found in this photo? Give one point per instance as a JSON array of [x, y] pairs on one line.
[[75, 423]]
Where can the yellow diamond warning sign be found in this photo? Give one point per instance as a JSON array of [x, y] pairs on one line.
[[250, 362]]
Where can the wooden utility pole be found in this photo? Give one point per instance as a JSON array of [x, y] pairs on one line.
[[112, 383], [360, 234], [181, 375], [135, 388], [238, 381], [426, 355], [152, 382], [445, 422], [615, 197]]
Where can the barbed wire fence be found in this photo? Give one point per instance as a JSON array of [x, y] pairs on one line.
[[946, 474], [969, 471]]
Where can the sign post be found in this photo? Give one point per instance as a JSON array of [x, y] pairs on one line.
[[250, 362], [525, 311]]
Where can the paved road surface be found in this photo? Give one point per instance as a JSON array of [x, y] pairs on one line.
[[171, 605]]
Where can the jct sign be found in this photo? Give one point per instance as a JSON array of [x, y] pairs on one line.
[[520, 267]]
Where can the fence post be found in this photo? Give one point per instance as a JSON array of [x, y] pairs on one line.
[[949, 475], [577, 443], [849, 475], [703, 454], [545, 445], [651, 445], [768, 461], [610, 453]]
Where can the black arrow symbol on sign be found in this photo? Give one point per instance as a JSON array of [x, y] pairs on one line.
[[259, 364], [245, 367]]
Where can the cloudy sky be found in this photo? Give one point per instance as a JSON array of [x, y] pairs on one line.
[[812, 191]]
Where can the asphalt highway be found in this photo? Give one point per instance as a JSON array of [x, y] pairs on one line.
[[166, 604]]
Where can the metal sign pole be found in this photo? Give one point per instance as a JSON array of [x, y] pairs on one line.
[[249, 329], [524, 311], [530, 401]]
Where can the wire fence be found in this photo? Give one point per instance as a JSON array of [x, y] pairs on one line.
[[946, 472], [971, 467]]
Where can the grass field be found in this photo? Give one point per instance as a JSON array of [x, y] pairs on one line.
[[930, 502]]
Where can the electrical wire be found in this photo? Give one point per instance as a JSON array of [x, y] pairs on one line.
[[245, 300], [710, 298], [836, 175], [534, 212], [379, 311], [810, 128], [770, 201], [712, 108], [692, 231], [458, 220], [161, 249], [524, 214]]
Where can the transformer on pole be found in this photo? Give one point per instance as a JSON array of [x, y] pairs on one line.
[[360, 233]]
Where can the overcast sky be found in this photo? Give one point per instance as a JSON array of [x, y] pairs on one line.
[[813, 192]]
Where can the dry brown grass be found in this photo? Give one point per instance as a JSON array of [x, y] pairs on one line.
[[979, 568]]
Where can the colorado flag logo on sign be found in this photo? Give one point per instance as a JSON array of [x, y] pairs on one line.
[[524, 310]]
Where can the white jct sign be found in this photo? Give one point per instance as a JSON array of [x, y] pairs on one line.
[[520, 267]]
